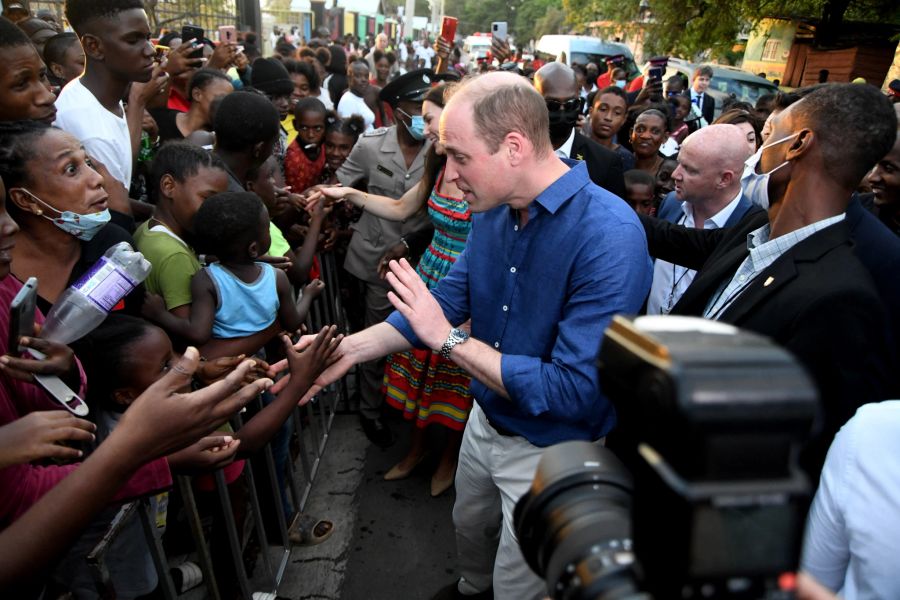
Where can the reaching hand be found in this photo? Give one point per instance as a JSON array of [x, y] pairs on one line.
[[181, 419], [308, 364], [207, 454], [413, 300], [210, 371], [37, 435], [442, 48], [279, 262], [395, 252], [59, 361]]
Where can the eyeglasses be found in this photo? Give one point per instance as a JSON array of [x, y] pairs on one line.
[[314, 128], [568, 106]]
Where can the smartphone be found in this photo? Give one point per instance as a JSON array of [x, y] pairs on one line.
[[21, 315], [227, 34], [192, 33], [498, 30], [656, 73], [448, 28]]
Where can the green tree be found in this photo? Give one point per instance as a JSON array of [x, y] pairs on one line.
[[688, 27], [535, 18]]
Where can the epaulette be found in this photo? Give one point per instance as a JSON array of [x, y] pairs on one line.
[[376, 132]]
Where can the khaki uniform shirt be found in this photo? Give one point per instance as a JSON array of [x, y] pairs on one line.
[[377, 158]]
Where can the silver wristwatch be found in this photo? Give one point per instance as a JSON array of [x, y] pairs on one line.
[[457, 336]]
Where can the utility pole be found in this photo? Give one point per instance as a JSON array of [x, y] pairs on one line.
[[249, 15]]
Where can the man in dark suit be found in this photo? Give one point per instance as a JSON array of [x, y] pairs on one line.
[[707, 195], [793, 274], [556, 82], [701, 101]]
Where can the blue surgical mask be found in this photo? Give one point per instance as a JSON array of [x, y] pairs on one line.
[[756, 185], [621, 83], [84, 227], [416, 128]]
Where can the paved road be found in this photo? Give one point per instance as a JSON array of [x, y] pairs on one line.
[[392, 540]]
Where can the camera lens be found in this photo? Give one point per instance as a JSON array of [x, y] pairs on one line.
[[574, 525]]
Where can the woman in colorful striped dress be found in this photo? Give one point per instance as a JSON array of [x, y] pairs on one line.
[[426, 387]]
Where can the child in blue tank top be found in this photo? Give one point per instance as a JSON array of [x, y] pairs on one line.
[[237, 296]]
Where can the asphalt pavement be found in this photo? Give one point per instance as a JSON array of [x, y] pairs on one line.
[[392, 540]]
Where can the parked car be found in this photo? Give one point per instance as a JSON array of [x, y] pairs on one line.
[[726, 82], [582, 49]]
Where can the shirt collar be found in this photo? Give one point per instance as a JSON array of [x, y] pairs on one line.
[[719, 219], [764, 251], [566, 148], [559, 192]]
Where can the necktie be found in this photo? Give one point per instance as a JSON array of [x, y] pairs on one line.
[[697, 100]]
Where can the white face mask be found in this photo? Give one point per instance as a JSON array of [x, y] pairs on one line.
[[756, 185], [84, 227]]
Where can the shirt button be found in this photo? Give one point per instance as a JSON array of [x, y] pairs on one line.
[[512, 269], [496, 344], [515, 227], [505, 308], [407, 176], [742, 278], [403, 220]]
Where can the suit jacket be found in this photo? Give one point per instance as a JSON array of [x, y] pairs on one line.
[[817, 300], [670, 210], [378, 159], [708, 110], [604, 165]]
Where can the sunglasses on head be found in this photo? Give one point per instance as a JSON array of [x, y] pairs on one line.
[[569, 105]]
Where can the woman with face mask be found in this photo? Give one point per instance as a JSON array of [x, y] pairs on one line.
[[427, 388], [58, 200]]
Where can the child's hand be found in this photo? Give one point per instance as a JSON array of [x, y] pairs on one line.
[[305, 366], [207, 454], [154, 306], [279, 262], [313, 288], [209, 371]]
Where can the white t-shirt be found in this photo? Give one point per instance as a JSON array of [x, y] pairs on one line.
[[325, 98], [351, 104], [104, 135], [426, 53]]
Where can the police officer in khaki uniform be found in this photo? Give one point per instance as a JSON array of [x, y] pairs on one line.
[[390, 160]]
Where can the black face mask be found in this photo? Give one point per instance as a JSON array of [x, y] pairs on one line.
[[562, 122]]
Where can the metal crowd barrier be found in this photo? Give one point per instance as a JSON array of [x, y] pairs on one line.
[[312, 424]]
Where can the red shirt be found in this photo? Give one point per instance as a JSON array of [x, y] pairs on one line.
[[24, 484], [299, 172], [177, 101]]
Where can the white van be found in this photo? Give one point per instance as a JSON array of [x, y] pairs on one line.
[[583, 49]]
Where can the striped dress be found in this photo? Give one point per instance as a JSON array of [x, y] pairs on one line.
[[421, 383]]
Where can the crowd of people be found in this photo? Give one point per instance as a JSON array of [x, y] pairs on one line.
[[487, 228]]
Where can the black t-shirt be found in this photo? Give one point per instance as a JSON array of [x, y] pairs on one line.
[[165, 120]]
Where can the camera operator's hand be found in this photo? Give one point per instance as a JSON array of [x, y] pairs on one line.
[[59, 361]]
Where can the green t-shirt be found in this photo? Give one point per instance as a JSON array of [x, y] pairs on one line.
[[174, 264], [279, 246]]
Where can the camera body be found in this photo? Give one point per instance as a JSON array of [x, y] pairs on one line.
[[705, 475]]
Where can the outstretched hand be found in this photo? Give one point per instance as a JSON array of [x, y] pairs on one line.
[[181, 419], [413, 300], [308, 364]]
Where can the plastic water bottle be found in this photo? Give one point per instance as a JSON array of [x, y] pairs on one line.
[[82, 307]]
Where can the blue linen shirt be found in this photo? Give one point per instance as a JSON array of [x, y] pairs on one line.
[[543, 294]]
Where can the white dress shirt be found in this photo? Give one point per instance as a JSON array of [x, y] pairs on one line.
[[670, 281], [565, 150], [852, 541]]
